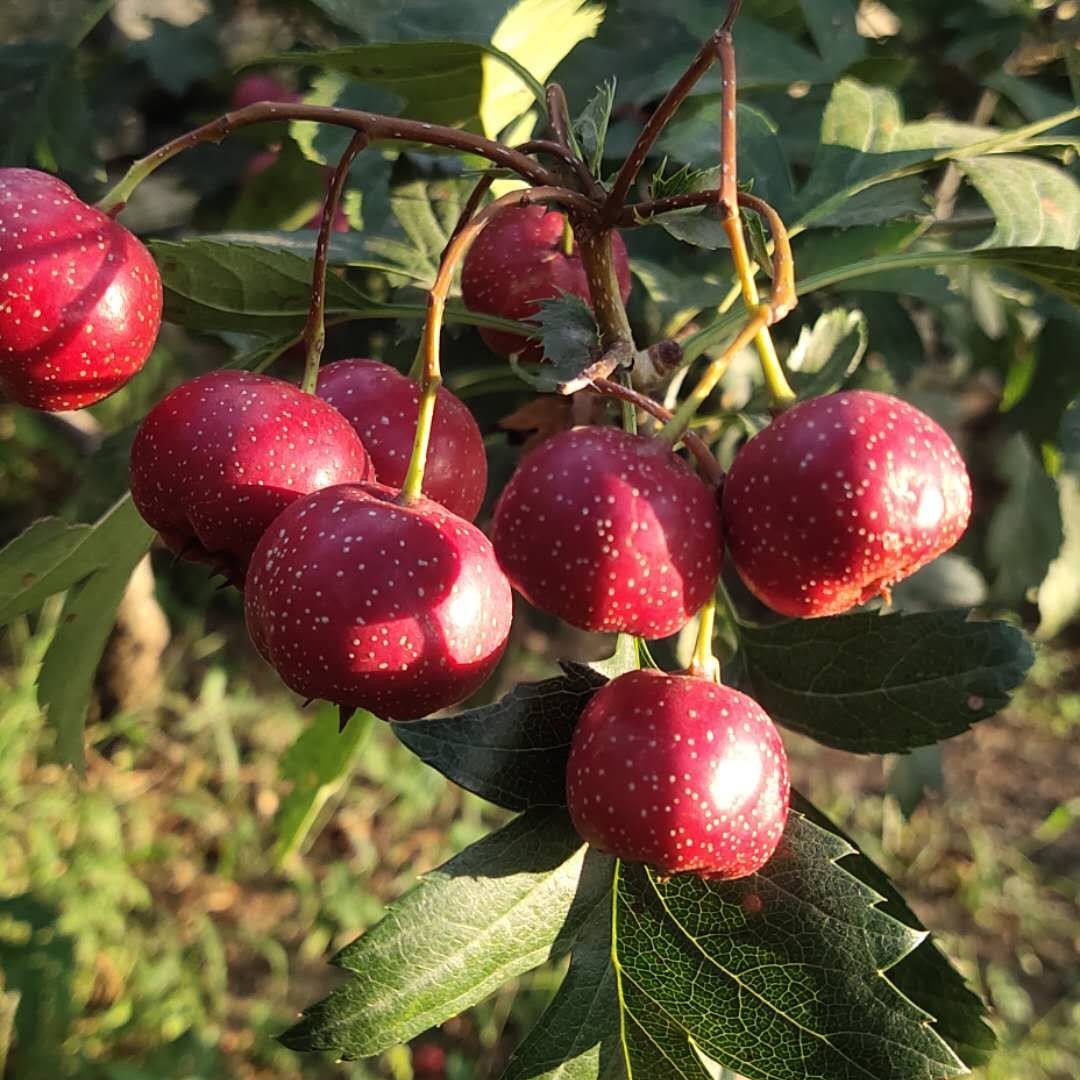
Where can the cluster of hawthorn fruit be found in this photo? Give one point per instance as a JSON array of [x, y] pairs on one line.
[[362, 596]]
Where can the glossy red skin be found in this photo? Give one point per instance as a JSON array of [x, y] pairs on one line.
[[517, 261], [80, 297], [609, 531], [382, 405], [839, 499], [680, 773], [257, 87], [219, 457], [401, 610]]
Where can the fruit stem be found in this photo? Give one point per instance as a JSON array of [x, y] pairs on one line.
[[374, 125], [703, 663], [567, 239], [599, 262], [315, 329], [663, 113], [707, 464], [431, 369], [684, 415]]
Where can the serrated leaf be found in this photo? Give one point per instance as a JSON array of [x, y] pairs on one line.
[[590, 128], [1035, 204], [1025, 533], [571, 341], [925, 975], [828, 353], [577, 1038], [504, 905], [119, 541], [883, 683], [317, 766], [777, 976], [512, 752]]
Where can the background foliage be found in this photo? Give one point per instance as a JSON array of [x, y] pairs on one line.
[[168, 913]]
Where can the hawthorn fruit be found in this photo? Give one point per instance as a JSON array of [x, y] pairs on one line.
[[517, 261], [80, 297], [219, 457], [839, 499], [359, 599], [610, 532], [382, 405], [680, 773]]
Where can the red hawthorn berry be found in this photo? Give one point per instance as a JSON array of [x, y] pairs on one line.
[[680, 773], [219, 457], [517, 261], [609, 531], [382, 405], [839, 499], [80, 297], [260, 86], [359, 600]]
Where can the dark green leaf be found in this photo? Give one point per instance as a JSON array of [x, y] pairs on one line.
[[1069, 437], [118, 542], [179, 56], [827, 353], [513, 752], [1056, 269], [508, 903], [924, 975], [778, 976], [1025, 532], [317, 765], [590, 128], [577, 1038], [571, 340], [914, 775], [884, 683], [832, 26], [47, 121]]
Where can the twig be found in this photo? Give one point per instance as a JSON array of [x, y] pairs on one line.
[[315, 328]]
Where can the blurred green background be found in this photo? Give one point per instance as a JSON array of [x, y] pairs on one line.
[[165, 915]]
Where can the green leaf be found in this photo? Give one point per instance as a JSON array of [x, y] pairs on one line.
[[778, 976], [64, 683], [512, 752], [571, 341], [504, 905], [42, 560], [47, 117], [577, 1038], [590, 128], [179, 56], [1069, 437], [1035, 204], [828, 353], [883, 683], [832, 26], [317, 765], [628, 656], [1025, 533], [924, 975]]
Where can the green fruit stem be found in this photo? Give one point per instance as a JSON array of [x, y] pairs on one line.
[[704, 663]]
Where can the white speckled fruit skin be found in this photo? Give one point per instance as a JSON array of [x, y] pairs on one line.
[[401, 610], [80, 297], [219, 457], [517, 261], [382, 405], [680, 773], [609, 531], [839, 499]]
